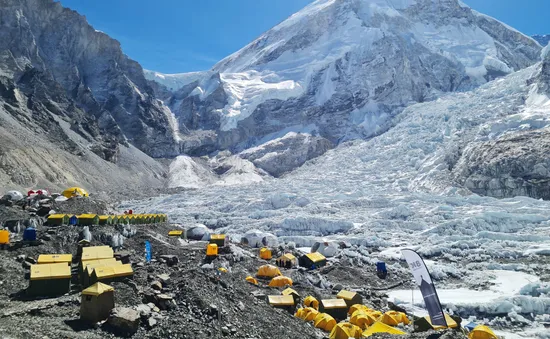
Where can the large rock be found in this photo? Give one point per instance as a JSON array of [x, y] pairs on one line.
[[124, 320], [284, 154], [512, 165]]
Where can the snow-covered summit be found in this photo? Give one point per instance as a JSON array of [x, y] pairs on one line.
[[346, 67]]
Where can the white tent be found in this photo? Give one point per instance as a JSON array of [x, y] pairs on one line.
[[328, 249], [198, 232], [256, 238], [14, 195]]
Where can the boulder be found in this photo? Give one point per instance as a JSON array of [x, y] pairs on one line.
[[156, 285], [164, 279], [124, 320], [165, 302], [170, 260]]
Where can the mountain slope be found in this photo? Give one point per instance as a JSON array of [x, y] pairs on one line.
[[543, 40], [73, 108], [44, 44], [343, 69]]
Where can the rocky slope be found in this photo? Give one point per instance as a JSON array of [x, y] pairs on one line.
[[342, 69], [73, 107], [514, 161]]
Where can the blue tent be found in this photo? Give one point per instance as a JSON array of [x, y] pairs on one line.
[[29, 234], [470, 326], [381, 267], [73, 220]]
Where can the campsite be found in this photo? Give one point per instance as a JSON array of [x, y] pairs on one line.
[[75, 275]]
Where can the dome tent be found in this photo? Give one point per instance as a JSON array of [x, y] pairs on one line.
[[72, 192], [327, 248], [198, 232], [256, 238], [268, 271], [14, 196]]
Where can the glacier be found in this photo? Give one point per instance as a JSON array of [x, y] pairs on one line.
[[347, 67], [400, 189]]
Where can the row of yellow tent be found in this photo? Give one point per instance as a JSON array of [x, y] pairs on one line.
[[95, 219]]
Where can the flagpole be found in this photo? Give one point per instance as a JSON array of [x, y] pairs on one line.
[[412, 303]]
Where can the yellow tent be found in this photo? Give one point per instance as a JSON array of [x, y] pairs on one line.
[[345, 331], [324, 321], [265, 253], [72, 192], [362, 319], [356, 307], [252, 280], [280, 281], [211, 250], [379, 327], [268, 271], [482, 332], [4, 237], [281, 301], [55, 258], [175, 233], [450, 322], [394, 318], [311, 302], [307, 313]]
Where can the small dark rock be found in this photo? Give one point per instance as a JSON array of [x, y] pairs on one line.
[[156, 285]]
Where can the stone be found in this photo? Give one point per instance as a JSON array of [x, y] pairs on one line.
[[149, 297], [123, 257], [30, 260], [151, 322], [337, 287], [225, 330], [164, 279], [46, 237], [241, 306], [144, 310], [156, 285], [26, 264], [124, 320], [170, 259], [165, 302], [21, 258]]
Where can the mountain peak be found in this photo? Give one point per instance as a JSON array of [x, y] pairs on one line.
[[345, 68]]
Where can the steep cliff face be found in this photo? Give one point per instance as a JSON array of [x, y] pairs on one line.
[[73, 108], [52, 54], [345, 67]]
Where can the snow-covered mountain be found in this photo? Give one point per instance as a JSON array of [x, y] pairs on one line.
[[341, 70], [543, 40], [411, 187]]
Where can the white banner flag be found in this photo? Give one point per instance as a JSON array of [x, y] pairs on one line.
[[425, 283]]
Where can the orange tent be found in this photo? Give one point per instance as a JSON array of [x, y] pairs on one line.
[[281, 281]]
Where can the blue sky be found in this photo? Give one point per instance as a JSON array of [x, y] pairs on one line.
[[174, 36]]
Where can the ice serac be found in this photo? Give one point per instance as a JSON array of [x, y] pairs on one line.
[[514, 161], [347, 67], [52, 54]]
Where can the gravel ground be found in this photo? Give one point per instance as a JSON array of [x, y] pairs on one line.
[[206, 303]]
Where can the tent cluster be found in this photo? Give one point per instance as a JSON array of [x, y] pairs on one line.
[[95, 219], [343, 318], [52, 274]]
